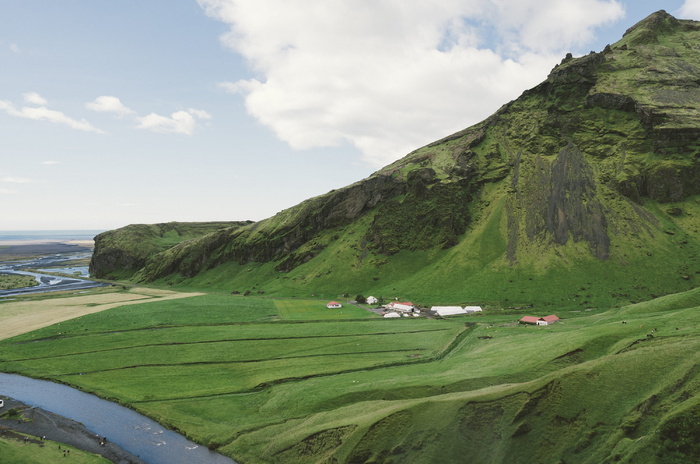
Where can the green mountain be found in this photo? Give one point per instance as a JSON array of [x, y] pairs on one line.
[[585, 191], [122, 252]]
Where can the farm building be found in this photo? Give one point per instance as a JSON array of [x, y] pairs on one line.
[[534, 320], [333, 305], [372, 300], [448, 310], [392, 315], [404, 307], [473, 309]]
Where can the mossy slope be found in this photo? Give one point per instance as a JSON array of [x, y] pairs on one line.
[[120, 253], [595, 172]]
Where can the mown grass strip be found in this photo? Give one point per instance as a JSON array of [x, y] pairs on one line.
[[69, 334], [230, 340], [242, 361]]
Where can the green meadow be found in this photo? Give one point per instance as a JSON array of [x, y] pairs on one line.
[[10, 281], [281, 380], [14, 450]]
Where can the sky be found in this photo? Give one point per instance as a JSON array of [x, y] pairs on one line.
[[149, 111]]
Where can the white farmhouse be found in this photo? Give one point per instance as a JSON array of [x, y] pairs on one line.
[[372, 300]]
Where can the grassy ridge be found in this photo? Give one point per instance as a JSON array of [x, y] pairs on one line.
[[283, 381], [125, 250]]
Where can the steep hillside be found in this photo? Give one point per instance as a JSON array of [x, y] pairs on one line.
[[119, 253], [584, 191]]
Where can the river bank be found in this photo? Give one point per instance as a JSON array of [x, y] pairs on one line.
[[133, 432], [43, 424]]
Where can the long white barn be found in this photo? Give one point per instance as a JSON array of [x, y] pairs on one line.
[[448, 310]]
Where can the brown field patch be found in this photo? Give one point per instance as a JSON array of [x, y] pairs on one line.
[[21, 317]]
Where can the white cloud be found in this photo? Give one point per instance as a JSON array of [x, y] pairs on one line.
[[12, 180], [201, 114], [109, 104], [34, 98], [15, 180], [388, 76], [551, 25], [49, 163], [180, 122], [14, 48], [690, 10], [42, 113]]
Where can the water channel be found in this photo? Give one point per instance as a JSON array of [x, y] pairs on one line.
[[128, 429], [48, 282]]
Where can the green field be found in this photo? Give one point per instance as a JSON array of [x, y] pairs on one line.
[[13, 449], [267, 380], [294, 310], [10, 281]]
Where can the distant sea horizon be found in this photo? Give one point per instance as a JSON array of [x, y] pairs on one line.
[[59, 235]]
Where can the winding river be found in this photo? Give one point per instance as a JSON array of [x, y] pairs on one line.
[[128, 429]]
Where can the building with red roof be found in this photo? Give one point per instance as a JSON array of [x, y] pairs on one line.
[[403, 307]]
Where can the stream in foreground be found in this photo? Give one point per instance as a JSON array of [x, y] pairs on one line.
[[128, 429]]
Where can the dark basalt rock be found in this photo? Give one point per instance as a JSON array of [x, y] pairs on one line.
[[610, 101], [573, 208]]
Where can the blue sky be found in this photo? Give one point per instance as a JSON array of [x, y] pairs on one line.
[[147, 111]]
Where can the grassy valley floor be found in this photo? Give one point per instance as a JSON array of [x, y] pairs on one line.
[[267, 380]]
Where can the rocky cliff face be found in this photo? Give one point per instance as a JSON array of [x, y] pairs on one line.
[[120, 253], [571, 170]]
